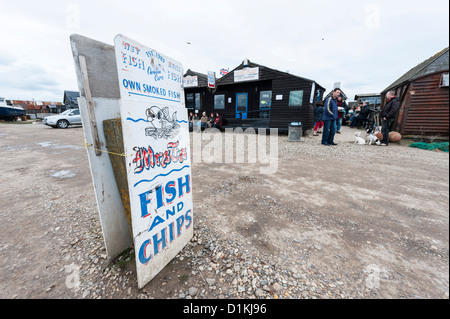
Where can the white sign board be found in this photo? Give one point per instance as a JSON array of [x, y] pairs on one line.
[[211, 80], [313, 92], [99, 58], [246, 74], [190, 81], [156, 143]]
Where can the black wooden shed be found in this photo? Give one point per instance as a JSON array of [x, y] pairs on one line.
[[253, 95]]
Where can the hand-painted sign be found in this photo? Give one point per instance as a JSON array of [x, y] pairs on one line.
[[190, 81], [156, 142], [246, 74], [211, 80]]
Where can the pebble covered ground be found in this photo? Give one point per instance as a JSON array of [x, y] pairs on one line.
[[224, 259]]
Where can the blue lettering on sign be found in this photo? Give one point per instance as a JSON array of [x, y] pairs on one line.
[[145, 201], [156, 73], [133, 61], [143, 258], [131, 85], [175, 67], [154, 90], [169, 212], [174, 77], [165, 196], [127, 46], [160, 240], [174, 95], [154, 54]]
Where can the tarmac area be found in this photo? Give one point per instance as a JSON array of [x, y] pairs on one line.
[[345, 221]]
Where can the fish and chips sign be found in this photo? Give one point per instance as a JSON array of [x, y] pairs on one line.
[[157, 148]]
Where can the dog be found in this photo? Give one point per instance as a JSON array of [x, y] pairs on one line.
[[358, 139], [371, 138]]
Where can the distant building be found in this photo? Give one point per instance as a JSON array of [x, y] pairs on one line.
[[38, 108], [424, 95], [344, 97], [70, 99], [253, 95], [373, 99]]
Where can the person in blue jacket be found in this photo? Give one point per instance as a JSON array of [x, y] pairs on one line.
[[330, 116]]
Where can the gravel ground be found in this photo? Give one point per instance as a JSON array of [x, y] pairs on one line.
[[348, 221]]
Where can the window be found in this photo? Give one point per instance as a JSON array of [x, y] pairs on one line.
[[265, 103], [319, 96], [296, 98], [219, 102], [265, 100], [190, 100], [193, 101], [444, 80], [197, 101]]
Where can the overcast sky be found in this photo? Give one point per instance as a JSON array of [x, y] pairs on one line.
[[365, 45]]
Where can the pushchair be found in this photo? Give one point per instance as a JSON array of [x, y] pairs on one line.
[[371, 121]]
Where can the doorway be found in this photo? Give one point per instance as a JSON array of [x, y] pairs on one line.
[[241, 105]]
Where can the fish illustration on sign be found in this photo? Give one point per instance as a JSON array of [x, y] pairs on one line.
[[163, 125]]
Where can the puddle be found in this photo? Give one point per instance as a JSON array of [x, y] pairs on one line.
[[45, 144], [58, 146], [62, 173], [9, 148]]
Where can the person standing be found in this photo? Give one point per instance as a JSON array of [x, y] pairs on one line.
[[191, 121], [342, 109], [330, 115], [318, 114], [388, 115]]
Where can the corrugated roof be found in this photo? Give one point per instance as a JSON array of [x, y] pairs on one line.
[[421, 69]]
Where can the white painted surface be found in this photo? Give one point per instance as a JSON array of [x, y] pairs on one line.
[[113, 220], [155, 122]]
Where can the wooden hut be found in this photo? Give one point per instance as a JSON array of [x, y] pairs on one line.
[[196, 91], [253, 95], [424, 95]]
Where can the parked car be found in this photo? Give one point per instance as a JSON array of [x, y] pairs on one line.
[[63, 120]]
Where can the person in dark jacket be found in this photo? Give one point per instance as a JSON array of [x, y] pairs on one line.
[[318, 114], [342, 109], [330, 115], [388, 115], [218, 121], [363, 114]]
